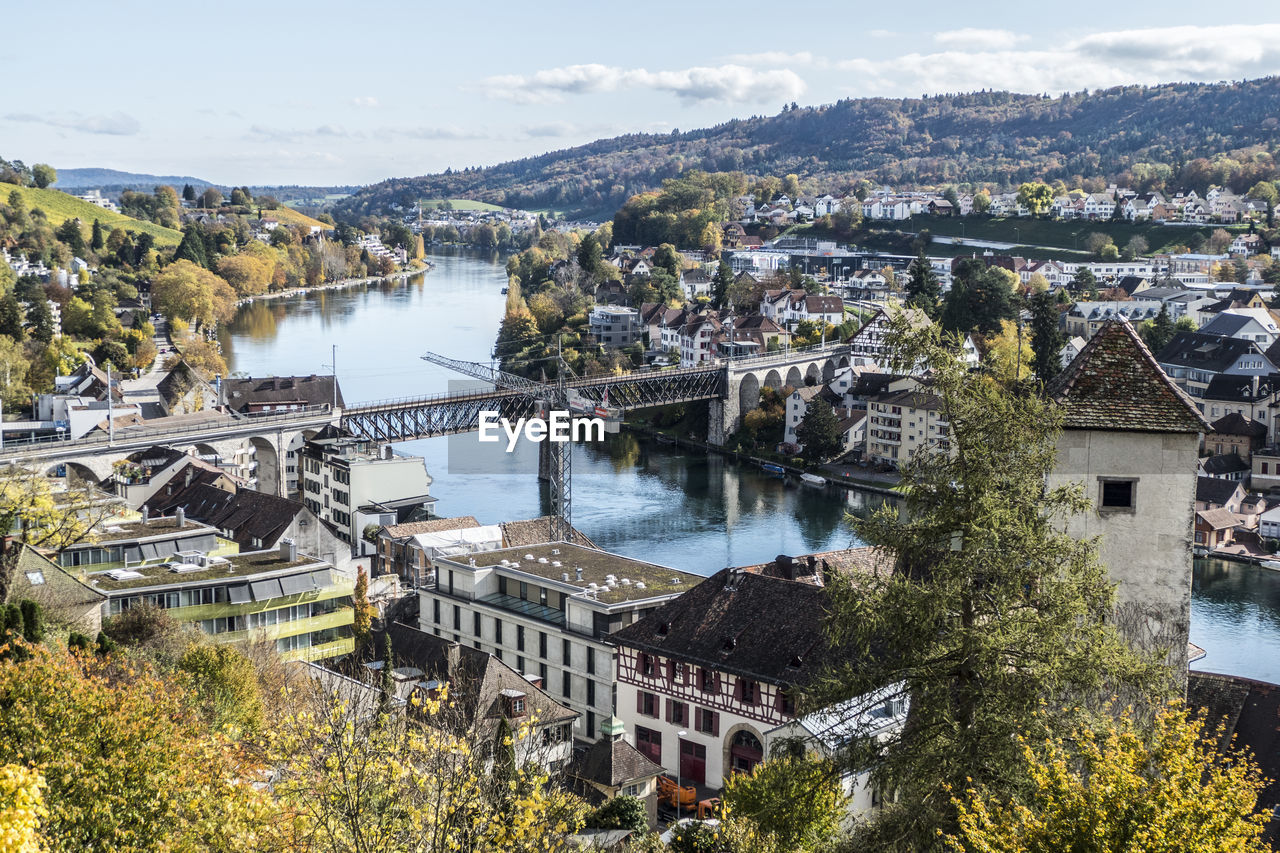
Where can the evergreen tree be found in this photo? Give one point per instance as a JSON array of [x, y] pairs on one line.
[[819, 431], [589, 255], [69, 233], [987, 612], [12, 317], [386, 684], [1046, 336], [923, 290], [142, 247], [192, 248], [99, 239], [1160, 332], [188, 193], [363, 609], [720, 285], [40, 319]]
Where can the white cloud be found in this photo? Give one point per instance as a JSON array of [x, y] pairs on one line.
[[115, 124], [726, 83], [364, 101], [981, 39], [1124, 57]]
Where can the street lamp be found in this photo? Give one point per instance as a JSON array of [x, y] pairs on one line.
[[679, 754], [1017, 234]]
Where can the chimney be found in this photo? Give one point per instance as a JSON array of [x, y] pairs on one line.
[[191, 472], [179, 517], [453, 657], [288, 550], [813, 565], [577, 570], [786, 567], [146, 513]]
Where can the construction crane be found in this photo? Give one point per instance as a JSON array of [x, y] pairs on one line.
[[548, 396]]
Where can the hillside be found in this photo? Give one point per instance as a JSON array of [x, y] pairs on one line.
[[59, 207], [91, 178], [1000, 138], [289, 216]]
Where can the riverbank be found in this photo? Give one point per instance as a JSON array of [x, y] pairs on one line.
[[336, 285]]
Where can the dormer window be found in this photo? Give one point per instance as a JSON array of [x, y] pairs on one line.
[[514, 703]]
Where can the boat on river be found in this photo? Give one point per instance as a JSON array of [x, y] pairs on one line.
[[770, 468], [813, 480], [1271, 564]]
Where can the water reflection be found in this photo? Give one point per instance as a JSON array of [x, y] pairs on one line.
[[1235, 618]]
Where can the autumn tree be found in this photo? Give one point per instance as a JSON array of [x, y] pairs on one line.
[[44, 175], [190, 292], [224, 687], [44, 519], [247, 275], [984, 610], [1036, 197], [22, 809], [770, 796], [128, 765], [1121, 785], [1009, 354], [363, 609]]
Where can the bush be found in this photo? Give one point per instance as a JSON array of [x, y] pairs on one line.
[[620, 813]]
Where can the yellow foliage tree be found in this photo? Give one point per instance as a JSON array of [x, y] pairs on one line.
[[190, 292], [1009, 354], [21, 809], [1118, 789], [247, 275]]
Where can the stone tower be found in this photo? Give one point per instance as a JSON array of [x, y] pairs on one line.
[[1132, 438]]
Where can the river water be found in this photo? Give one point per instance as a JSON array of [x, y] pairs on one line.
[[655, 502]]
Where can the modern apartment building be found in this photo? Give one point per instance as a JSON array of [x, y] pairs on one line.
[[546, 610], [903, 420], [297, 601], [351, 483]]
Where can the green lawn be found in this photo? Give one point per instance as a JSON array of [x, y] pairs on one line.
[[459, 204], [60, 207], [1060, 234]]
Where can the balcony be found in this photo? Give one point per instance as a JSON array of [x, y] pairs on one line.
[[337, 648], [197, 612], [309, 625]]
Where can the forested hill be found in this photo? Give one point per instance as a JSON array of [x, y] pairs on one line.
[[991, 137]]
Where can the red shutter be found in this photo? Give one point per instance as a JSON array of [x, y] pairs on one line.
[[737, 688], [756, 696], [715, 722], [668, 710], [697, 719], [716, 679], [639, 702]]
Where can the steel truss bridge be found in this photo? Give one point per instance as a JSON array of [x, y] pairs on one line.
[[459, 412]]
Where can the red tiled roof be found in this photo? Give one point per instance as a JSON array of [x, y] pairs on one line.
[[1116, 384]]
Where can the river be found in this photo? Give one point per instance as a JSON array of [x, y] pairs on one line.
[[678, 508]]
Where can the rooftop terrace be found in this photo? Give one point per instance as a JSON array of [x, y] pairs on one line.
[[123, 531], [608, 578], [233, 566]]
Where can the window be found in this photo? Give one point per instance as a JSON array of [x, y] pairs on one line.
[[475, 623], [707, 681], [566, 686], [591, 661], [1116, 495], [591, 724], [519, 638], [457, 618], [435, 610], [647, 664], [748, 691], [707, 722], [542, 644], [591, 692], [647, 704], [502, 585], [542, 675], [1264, 467], [520, 664], [497, 632], [632, 791], [677, 712], [786, 704], [566, 652]]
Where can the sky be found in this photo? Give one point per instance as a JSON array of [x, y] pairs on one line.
[[329, 93]]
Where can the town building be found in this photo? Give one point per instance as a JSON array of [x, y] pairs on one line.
[[484, 692], [351, 483], [297, 601], [546, 609], [611, 767], [613, 326], [904, 420], [705, 679], [1132, 437]]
